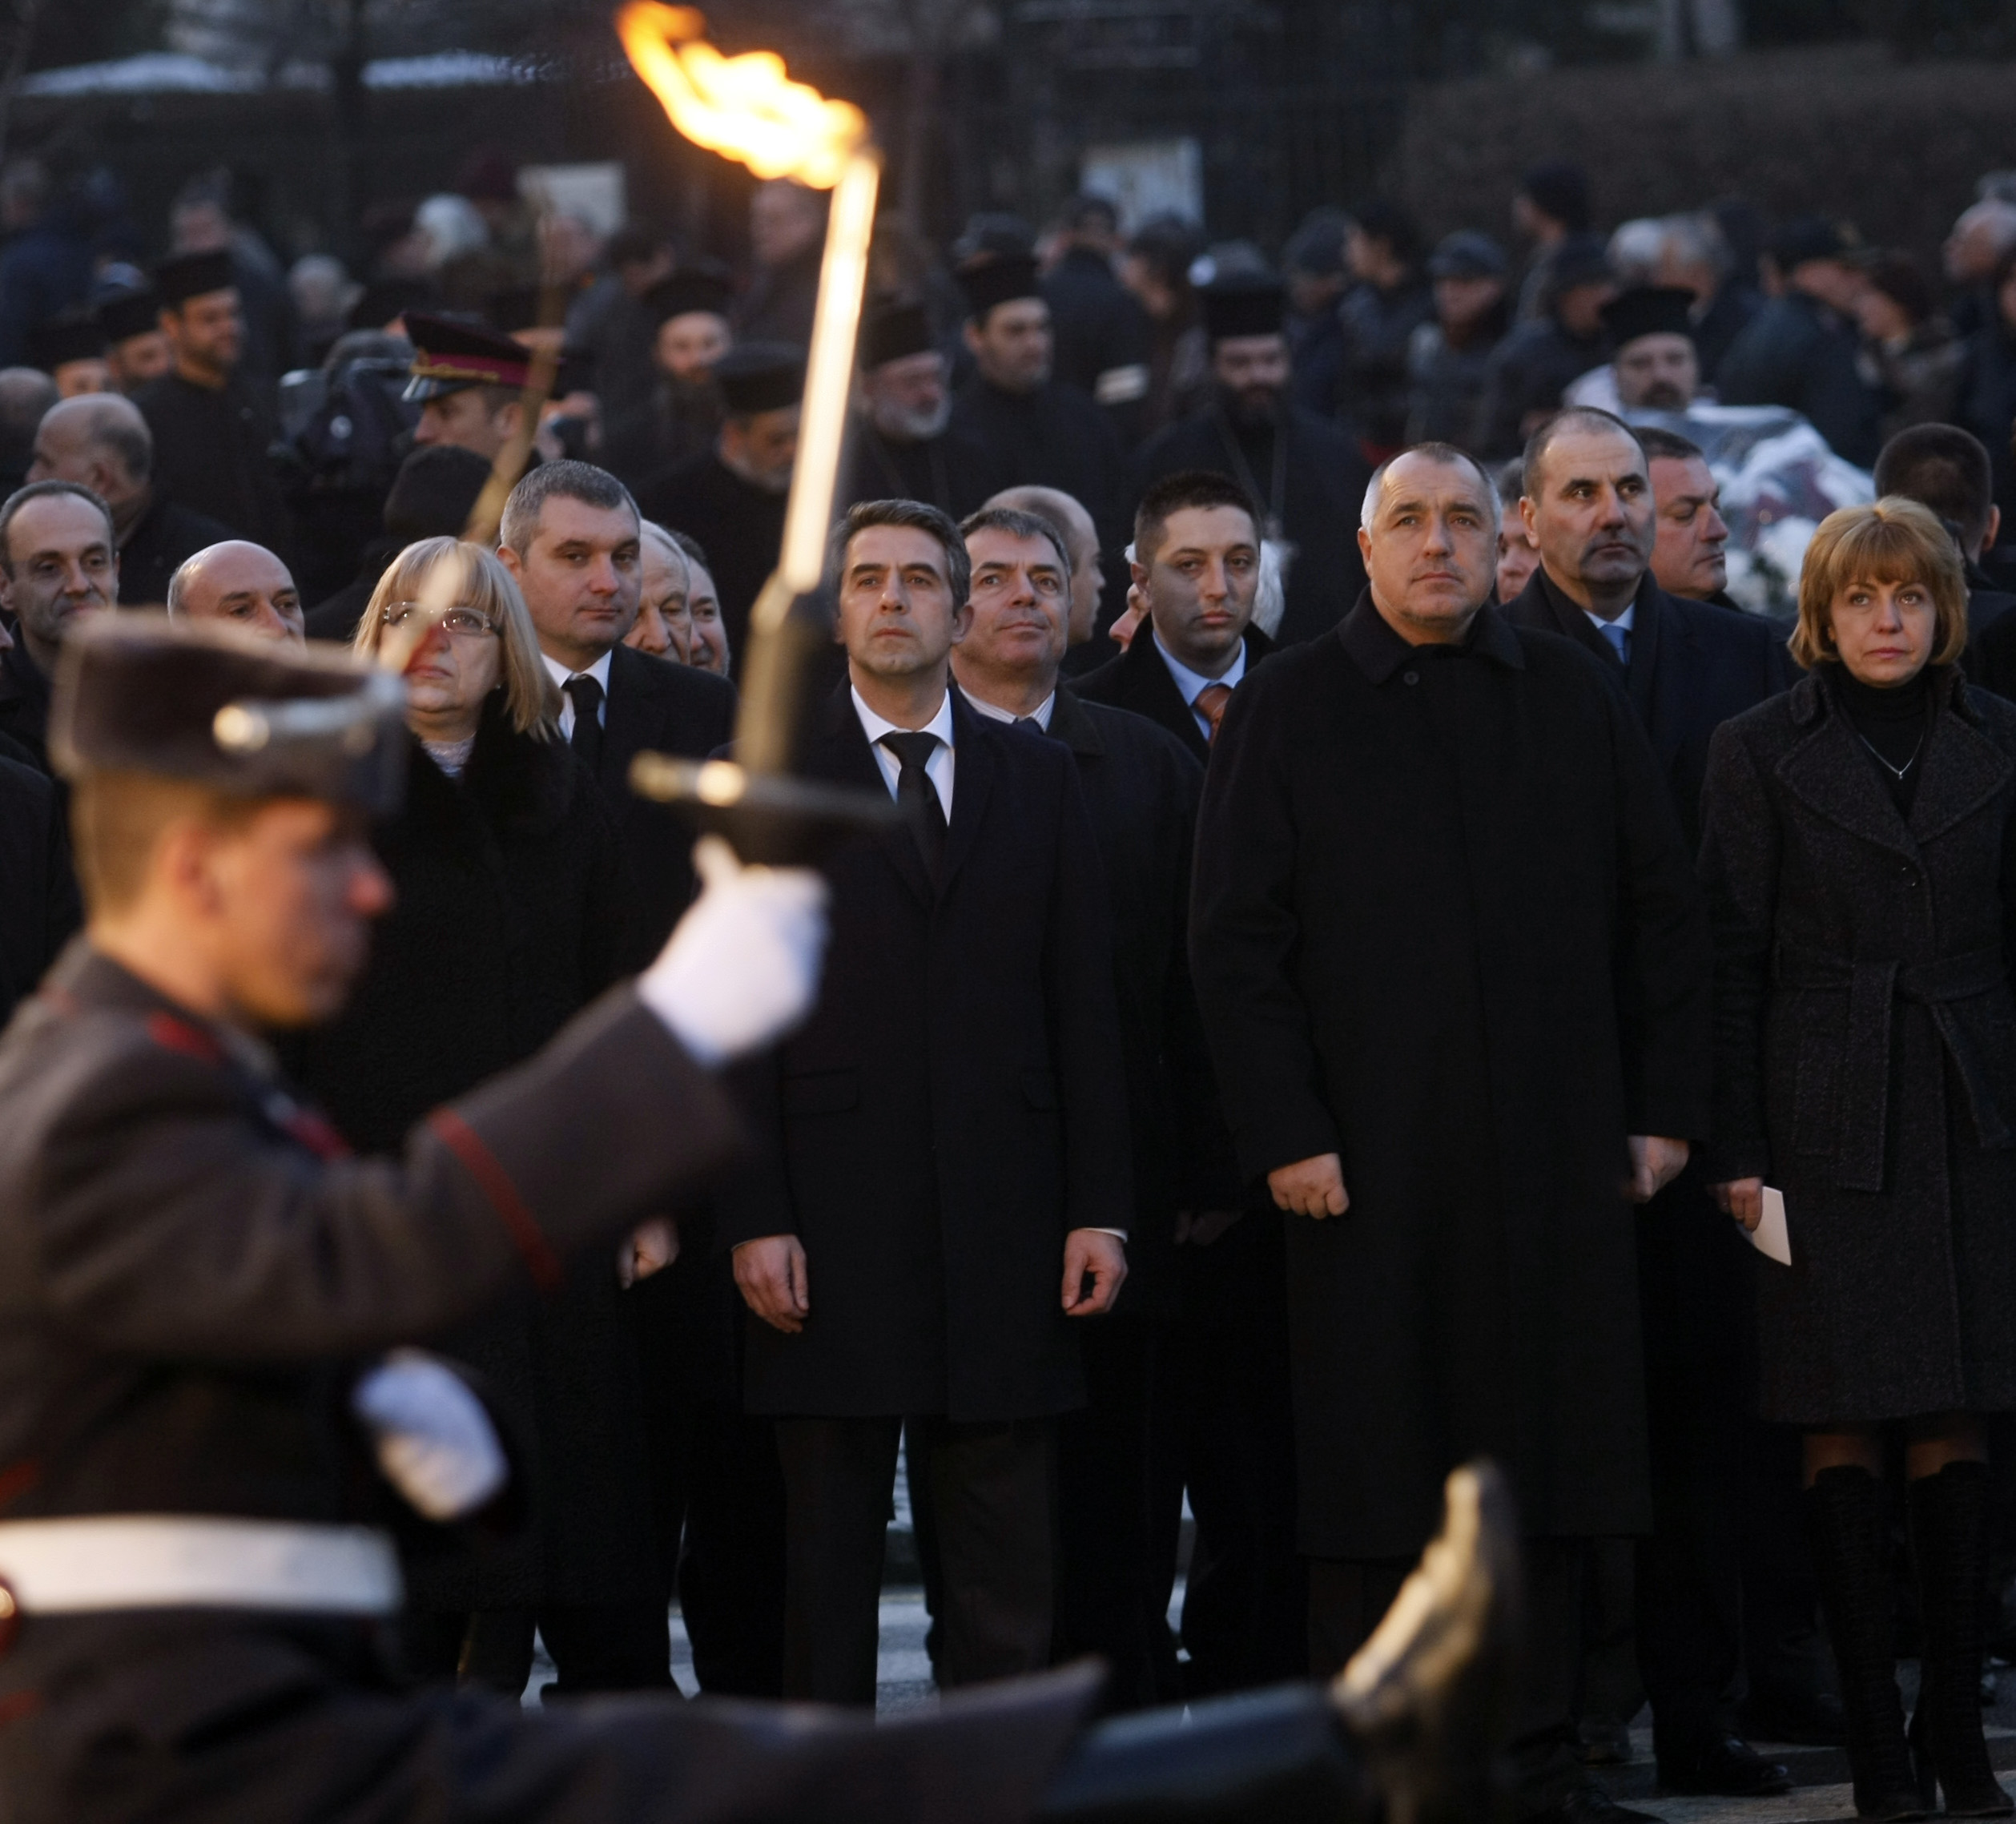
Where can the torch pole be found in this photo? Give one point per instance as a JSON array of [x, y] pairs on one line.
[[771, 670]]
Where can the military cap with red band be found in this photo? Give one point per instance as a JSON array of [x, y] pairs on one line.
[[448, 356]]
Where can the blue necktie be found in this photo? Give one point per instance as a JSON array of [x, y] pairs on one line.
[[1619, 639]]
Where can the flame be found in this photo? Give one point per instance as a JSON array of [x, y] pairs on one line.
[[744, 107]]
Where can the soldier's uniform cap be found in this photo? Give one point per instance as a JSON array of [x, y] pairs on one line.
[[220, 708], [1649, 310], [998, 280], [450, 357], [187, 276], [685, 293], [1243, 304], [123, 315], [75, 336], [892, 331], [760, 376]]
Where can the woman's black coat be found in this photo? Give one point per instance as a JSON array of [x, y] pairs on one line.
[[1866, 1048], [510, 885]]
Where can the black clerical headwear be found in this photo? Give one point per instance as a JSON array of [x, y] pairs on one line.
[[686, 293], [893, 330], [124, 315], [1649, 310], [760, 376], [1243, 304], [187, 276], [998, 280]]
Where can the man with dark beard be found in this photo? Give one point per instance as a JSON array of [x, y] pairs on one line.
[[903, 447], [675, 421], [1307, 475], [733, 497]]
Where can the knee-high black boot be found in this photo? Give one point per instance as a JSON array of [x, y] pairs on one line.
[[1844, 1510], [1949, 1516]]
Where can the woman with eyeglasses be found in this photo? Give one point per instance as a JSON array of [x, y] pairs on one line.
[[507, 874]]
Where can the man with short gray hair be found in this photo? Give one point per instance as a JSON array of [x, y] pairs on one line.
[[101, 441], [1455, 974]]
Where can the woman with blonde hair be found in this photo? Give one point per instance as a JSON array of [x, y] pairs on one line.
[[508, 919], [1860, 857]]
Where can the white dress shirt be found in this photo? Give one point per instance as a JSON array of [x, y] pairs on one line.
[[1040, 715], [1190, 684], [559, 673], [937, 769]]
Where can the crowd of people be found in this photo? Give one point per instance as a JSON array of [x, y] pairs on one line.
[[1438, 785]]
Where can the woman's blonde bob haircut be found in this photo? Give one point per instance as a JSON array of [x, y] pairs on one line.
[[483, 583], [1893, 540]]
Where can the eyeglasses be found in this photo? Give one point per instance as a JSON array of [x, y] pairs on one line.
[[461, 622]]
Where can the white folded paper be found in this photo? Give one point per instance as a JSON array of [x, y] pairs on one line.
[[1768, 1238]]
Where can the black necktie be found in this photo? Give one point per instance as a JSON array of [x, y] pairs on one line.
[[587, 738], [918, 797]]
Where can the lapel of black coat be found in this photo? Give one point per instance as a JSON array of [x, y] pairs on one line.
[[1153, 693], [840, 752], [635, 712], [1831, 774], [1557, 613], [1654, 633], [1070, 724], [974, 764], [1964, 770]]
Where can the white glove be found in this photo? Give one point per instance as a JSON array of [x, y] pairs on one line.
[[742, 966], [435, 1444]]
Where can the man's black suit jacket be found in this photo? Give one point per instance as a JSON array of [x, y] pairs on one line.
[[1139, 680], [1142, 791], [1693, 665], [667, 708], [953, 1108]]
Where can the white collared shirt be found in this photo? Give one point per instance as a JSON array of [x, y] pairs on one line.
[[1190, 684], [559, 673], [938, 768], [1040, 715]]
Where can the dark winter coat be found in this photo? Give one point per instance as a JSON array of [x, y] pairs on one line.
[[1055, 437], [1323, 487], [1445, 926], [1796, 352], [163, 537], [24, 703], [1138, 679], [510, 898], [955, 1105], [1101, 336], [211, 453], [38, 904], [1865, 1050]]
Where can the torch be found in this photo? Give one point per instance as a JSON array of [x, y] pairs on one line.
[[746, 108]]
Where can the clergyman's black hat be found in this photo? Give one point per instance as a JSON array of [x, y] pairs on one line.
[[123, 315], [893, 330], [998, 280], [1244, 304], [221, 707], [448, 356], [1649, 310], [74, 336], [187, 276], [760, 376], [686, 293]]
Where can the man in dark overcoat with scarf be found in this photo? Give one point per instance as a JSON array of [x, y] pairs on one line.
[[1452, 962]]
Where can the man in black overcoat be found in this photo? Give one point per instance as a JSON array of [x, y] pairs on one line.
[[38, 904], [1688, 667], [212, 427], [1141, 790], [101, 441], [942, 1186], [1453, 965], [1306, 474], [570, 536], [1196, 570]]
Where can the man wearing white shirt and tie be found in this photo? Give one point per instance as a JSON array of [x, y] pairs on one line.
[[1197, 570], [570, 536], [940, 1186]]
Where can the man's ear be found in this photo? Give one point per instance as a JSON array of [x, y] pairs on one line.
[[512, 562], [1365, 546], [1527, 513], [971, 332], [962, 622]]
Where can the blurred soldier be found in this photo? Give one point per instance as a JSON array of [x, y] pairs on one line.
[[1306, 473], [676, 418], [59, 560], [469, 384], [102, 442], [903, 447], [1033, 427], [242, 583], [212, 429], [136, 350], [733, 495]]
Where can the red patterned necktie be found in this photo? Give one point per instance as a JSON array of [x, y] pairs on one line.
[[1210, 703]]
